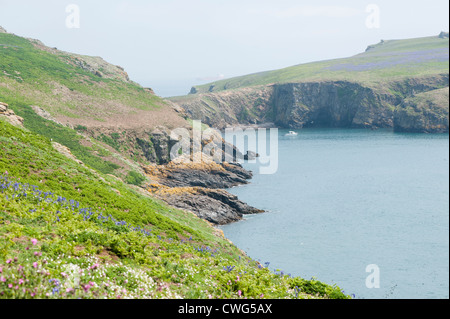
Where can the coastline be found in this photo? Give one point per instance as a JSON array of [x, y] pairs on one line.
[[253, 126], [201, 189]]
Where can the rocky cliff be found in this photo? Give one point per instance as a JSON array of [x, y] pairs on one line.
[[329, 104], [343, 104], [348, 104]]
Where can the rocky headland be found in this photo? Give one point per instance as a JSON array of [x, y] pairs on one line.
[[343, 104], [199, 188], [399, 84]]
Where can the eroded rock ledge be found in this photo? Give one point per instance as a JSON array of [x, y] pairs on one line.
[[199, 188]]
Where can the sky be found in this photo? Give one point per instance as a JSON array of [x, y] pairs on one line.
[[172, 45]]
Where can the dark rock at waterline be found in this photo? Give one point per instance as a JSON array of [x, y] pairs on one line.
[[199, 188], [232, 175], [214, 205]]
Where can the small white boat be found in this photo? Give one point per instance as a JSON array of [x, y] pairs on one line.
[[291, 133]]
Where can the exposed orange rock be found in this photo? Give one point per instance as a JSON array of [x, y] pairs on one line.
[[9, 115]]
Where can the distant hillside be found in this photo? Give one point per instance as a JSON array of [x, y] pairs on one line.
[[392, 59], [359, 91]]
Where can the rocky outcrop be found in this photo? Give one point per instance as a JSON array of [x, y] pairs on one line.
[[150, 145], [214, 205], [94, 65], [99, 67], [3, 107], [443, 35], [142, 144], [9, 115], [199, 188], [149, 90], [162, 143], [424, 113], [66, 152], [44, 114]]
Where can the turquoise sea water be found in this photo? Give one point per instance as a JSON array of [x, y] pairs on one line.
[[345, 199]]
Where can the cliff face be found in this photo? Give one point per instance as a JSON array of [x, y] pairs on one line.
[[346, 104], [343, 104], [329, 104]]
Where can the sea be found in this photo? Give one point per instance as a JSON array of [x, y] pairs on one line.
[[365, 210]]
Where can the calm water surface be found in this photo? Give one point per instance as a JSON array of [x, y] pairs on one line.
[[345, 199]]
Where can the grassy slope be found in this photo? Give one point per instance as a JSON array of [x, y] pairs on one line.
[[91, 156], [435, 98], [415, 112], [24, 66], [390, 60], [96, 237]]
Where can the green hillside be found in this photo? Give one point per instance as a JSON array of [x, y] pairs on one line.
[[56, 92], [387, 60], [69, 86], [67, 231]]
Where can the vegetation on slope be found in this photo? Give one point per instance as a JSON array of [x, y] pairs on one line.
[[24, 65], [387, 60], [67, 231], [426, 111]]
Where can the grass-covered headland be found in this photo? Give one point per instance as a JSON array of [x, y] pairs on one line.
[[68, 231]]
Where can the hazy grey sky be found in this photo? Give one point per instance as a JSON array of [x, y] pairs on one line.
[[171, 45]]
